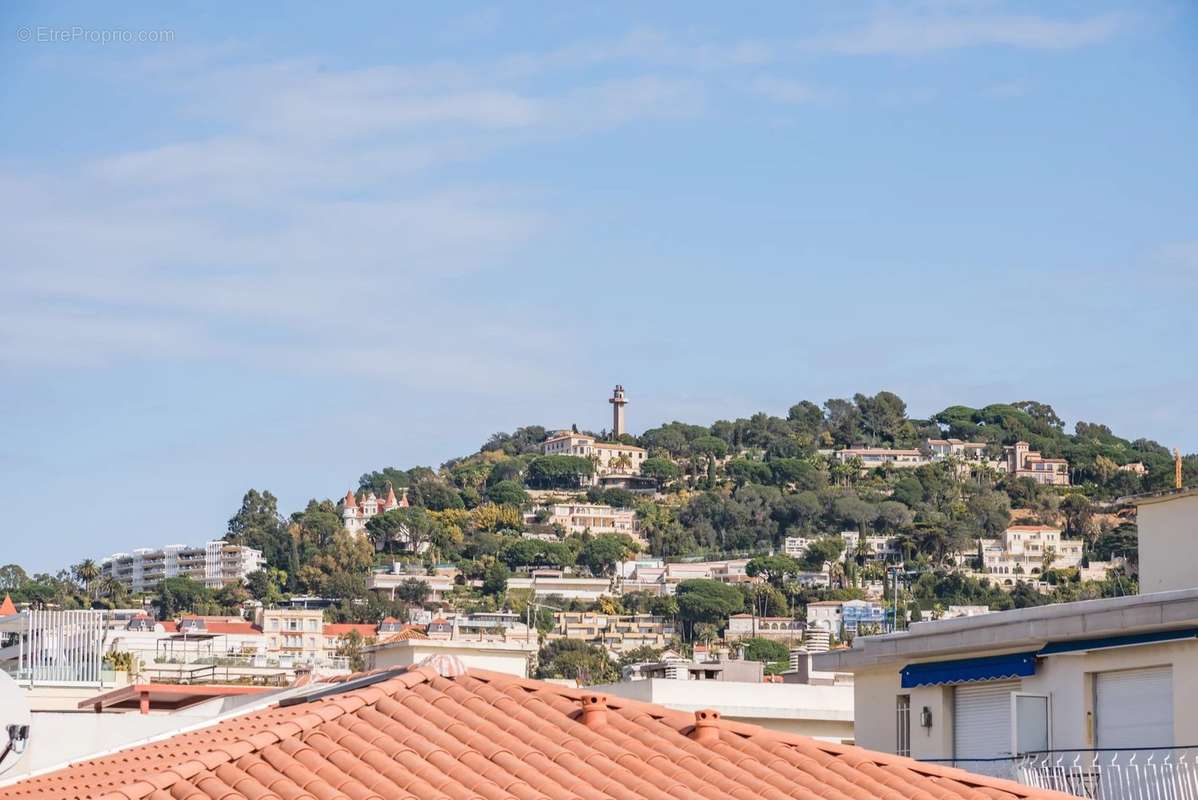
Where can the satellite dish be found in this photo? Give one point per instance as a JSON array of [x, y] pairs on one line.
[[14, 723]]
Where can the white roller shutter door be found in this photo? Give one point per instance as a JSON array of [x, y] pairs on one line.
[[1134, 707], [982, 719]]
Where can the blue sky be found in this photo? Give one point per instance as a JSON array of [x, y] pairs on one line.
[[293, 244]]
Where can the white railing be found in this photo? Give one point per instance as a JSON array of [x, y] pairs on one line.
[[1128, 774]]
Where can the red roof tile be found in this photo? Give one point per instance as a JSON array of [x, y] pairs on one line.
[[420, 736], [7, 607], [343, 629]]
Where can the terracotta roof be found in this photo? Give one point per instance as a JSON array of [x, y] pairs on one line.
[[350, 500], [343, 629], [7, 608], [420, 736]]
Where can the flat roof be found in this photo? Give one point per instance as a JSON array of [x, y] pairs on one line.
[[167, 696], [1161, 496], [1021, 628]]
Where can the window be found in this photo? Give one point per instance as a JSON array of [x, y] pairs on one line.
[[902, 725]]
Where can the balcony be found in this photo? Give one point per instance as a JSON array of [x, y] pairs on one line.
[[1162, 773], [1135, 774]]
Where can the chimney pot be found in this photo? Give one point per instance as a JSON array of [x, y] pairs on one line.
[[707, 726], [594, 710]]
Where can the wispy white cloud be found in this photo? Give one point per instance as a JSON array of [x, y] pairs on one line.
[[784, 90], [890, 33]]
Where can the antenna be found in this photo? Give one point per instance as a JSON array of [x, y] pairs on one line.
[[14, 723]]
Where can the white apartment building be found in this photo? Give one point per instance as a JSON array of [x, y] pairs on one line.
[[940, 449], [610, 459], [741, 626], [1022, 549], [216, 564], [883, 548], [594, 517], [872, 457]]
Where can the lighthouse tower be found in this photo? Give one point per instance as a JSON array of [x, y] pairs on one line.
[[617, 411]]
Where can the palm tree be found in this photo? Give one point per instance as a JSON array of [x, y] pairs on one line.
[[85, 572]]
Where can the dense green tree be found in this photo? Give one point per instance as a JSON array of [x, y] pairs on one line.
[[743, 470], [413, 591], [775, 569], [435, 495], [508, 492], [663, 470], [495, 579], [701, 600], [576, 660], [823, 550], [257, 524], [378, 481], [558, 472], [601, 554], [764, 650], [182, 595]]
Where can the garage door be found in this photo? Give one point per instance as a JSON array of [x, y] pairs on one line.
[[1134, 707], [982, 719]]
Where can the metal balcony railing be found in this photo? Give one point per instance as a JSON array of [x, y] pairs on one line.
[[1163, 773]]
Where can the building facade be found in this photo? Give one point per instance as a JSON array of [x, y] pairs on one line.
[[872, 457], [1098, 682], [1023, 462], [594, 517], [1023, 550], [356, 513], [216, 564], [611, 459]]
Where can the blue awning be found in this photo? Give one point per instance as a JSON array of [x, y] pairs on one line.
[[1102, 643], [967, 670]]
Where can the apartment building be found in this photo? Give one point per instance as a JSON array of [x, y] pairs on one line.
[[440, 584], [1023, 462], [941, 449], [1022, 550], [881, 548], [216, 564], [841, 617], [295, 632], [618, 633], [610, 458], [594, 517], [742, 626], [872, 457]]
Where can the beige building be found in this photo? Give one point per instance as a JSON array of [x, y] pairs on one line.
[[617, 633], [509, 656], [1168, 528], [609, 458], [594, 517], [872, 457], [1023, 462], [295, 632], [742, 626], [1022, 549], [1118, 674]]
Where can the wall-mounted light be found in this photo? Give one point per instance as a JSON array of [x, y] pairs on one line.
[[925, 718]]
